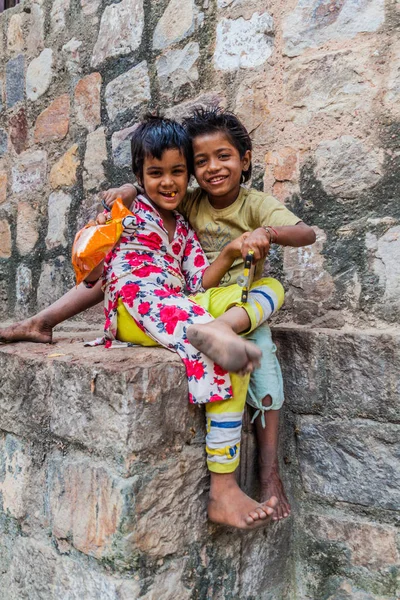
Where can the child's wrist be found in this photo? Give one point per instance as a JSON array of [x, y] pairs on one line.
[[273, 234]]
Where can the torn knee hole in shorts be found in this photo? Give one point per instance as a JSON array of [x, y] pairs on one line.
[[267, 401]]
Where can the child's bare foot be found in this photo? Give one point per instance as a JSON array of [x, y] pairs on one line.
[[271, 485], [231, 352], [228, 505], [29, 330]]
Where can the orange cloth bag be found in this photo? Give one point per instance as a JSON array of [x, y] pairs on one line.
[[94, 242]]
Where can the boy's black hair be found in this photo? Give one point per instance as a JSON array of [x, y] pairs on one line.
[[154, 135], [215, 119]]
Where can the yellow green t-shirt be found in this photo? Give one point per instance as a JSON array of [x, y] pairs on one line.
[[217, 227]]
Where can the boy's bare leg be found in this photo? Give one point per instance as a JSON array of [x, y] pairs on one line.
[[270, 481], [39, 328], [228, 505], [219, 341]]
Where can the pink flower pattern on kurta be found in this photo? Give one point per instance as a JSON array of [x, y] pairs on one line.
[[149, 273]]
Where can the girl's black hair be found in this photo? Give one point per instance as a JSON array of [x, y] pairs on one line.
[[156, 134], [215, 119]]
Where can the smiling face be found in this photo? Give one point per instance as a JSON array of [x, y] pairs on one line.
[[165, 181], [218, 167]]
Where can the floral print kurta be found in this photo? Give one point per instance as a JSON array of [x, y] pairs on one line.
[[149, 274]]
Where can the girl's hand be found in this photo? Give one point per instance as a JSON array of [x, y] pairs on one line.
[[259, 241], [101, 219], [126, 192]]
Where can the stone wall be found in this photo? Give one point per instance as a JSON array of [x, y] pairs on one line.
[[318, 85]]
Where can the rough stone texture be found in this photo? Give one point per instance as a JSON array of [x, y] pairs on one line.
[[63, 173], [27, 228], [71, 56], [39, 75], [120, 32], [15, 83], [128, 91], [5, 239], [314, 22], [346, 167], [53, 123], [58, 15], [3, 142], [29, 172], [386, 265], [15, 35], [176, 23], [58, 210], [178, 67], [87, 101], [121, 147], [95, 155], [55, 279], [3, 187], [243, 44], [23, 289], [15, 466], [18, 128]]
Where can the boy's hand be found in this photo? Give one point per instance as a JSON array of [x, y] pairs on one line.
[[234, 248], [126, 192], [259, 241]]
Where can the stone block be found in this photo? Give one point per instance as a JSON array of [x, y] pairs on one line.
[[330, 84], [3, 142], [350, 461], [71, 56], [15, 80], [243, 44], [18, 128], [120, 32], [128, 91], [176, 23], [346, 167], [385, 258], [15, 467], [1, 95], [15, 33], [251, 106], [90, 7], [63, 173], [184, 109], [178, 67], [27, 228], [319, 367], [314, 22], [282, 165], [5, 239], [392, 83], [35, 34], [55, 279], [3, 187], [29, 172], [53, 123], [371, 545], [39, 75], [87, 101], [95, 156], [23, 289], [121, 147], [58, 212], [58, 15]]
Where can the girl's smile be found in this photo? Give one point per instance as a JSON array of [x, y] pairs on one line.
[[165, 180], [218, 167]]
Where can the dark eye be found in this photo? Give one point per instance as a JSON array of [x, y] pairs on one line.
[[200, 162], [224, 156]]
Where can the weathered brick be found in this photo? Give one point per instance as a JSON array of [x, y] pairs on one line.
[[53, 123], [95, 155], [243, 44], [18, 128], [3, 187], [27, 227], [176, 23], [63, 173], [128, 91], [29, 172], [39, 75], [15, 80], [5, 239], [58, 211], [120, 32], [87, 101]]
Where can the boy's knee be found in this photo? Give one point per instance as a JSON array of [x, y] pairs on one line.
[[267, 401]]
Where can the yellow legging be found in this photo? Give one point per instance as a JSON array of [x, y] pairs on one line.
[[224, 419]]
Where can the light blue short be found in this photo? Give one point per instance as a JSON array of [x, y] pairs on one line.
[[267, 380]]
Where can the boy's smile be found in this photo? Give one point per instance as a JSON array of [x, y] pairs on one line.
[[165, 180], [218, 167]]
